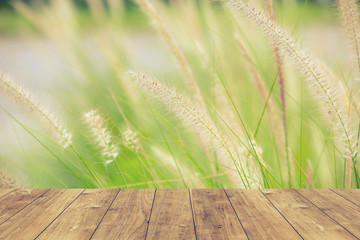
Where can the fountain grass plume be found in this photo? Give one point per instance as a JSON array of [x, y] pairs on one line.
[[104, 140], [102, 136], [349, 13], [24, 97], [317, 78], [190, 114], [130, 139]]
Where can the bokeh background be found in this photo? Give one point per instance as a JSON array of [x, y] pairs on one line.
[[42, 61]]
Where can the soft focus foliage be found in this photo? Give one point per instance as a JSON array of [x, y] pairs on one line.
[[186, 94]]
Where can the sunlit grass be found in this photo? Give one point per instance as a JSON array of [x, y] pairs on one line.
[[207, 111]]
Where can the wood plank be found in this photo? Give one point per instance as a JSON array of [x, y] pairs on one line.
[[80, 220], [29, 223], [341, 210], [214, 216], [15, 201], [171, 216], [308, 220], [128, 216], [259, 217], [353, 195], [4, 191]]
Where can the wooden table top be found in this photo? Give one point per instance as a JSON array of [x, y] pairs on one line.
[[179, 214]]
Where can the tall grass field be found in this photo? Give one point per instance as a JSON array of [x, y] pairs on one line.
[[181, 94]]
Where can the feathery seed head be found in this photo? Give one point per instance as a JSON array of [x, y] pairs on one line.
[[349, 12], [200, 121], [102, 136], [131, 139], [317, 76], [22, 96]]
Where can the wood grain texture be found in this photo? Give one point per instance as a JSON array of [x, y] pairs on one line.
[[214, 216], [4, 191], [308, 220], [353, 195], [259, 217], [33, 219], [341, 210], [17, 200], [179, 214], [171, 216], [128, 216], [81, 218]]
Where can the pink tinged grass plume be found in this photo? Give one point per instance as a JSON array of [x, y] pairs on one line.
[[197, 119], [316, 74], [22, 96], [349, 12]]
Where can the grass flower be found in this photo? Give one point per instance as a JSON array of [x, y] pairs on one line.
[[248, 127], [102, 136], [199, 120], [182, 62], [316, 75], [104, 140], [280, 70], [24, 97], [349, 13]]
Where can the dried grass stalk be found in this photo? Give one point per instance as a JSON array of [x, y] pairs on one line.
[[264, 93], [279, 67], [183, 64]]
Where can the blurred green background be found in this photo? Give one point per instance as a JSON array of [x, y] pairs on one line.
[[75, 63]]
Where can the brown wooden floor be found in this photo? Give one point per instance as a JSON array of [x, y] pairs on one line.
[[179, 214]]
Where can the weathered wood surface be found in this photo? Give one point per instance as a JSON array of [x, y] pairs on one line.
[[171, 216], [179, 214], [336, 207], [16, 200], [32, 220], [308, 220], [128, 216], [353, 195], [214, 216], [259, 217], [3, 191], [80, 219]]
